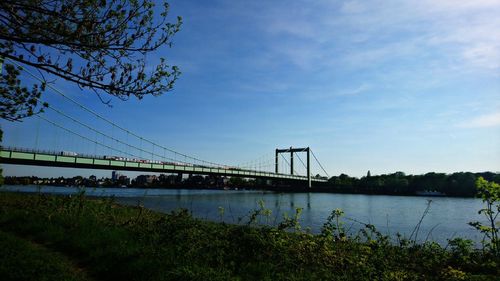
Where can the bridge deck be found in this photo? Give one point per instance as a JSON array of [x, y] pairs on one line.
[[11, 156]]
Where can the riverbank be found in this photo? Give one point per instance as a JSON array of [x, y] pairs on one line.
[[107, 241]]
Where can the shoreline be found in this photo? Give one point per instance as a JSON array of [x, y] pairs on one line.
[[273, 189]]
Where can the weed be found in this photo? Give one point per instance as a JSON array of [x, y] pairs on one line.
[[490, 194]]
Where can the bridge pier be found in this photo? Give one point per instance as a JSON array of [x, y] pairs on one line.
[[276, 162], [309, 184]]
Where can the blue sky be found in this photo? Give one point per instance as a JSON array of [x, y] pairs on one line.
[[385, 86]]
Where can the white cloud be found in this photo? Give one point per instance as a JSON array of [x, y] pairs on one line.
[[482, 121]]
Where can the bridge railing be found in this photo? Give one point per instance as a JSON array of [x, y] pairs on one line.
[[95, 156], [51, 152]]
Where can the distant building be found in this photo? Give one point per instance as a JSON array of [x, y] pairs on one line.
[[169, 179], [114, 176], [195, 179], [123, 180], [145, 179]]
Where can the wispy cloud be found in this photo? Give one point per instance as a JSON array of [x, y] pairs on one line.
[[329, 92], [485, 55], [355, 91], [361, 32], [482, 121]]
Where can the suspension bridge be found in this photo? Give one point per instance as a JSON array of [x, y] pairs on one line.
[[58, 138]]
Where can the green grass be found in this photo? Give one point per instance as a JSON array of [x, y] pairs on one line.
[[60, 238]]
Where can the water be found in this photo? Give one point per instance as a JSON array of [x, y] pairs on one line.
[[447, 218]]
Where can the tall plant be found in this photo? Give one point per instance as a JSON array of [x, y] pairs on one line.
[[490, 194]]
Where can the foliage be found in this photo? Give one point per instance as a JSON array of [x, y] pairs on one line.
[[333, 226], [111, 242], [490, 194], [456, 184], [98, 45], [291, 222], [255, 215], [237, 181]]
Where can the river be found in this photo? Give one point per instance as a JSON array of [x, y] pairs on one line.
[[447, 217]]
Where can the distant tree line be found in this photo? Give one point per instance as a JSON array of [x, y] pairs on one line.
[[456, 184]]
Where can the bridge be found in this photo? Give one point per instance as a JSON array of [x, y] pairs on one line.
[[12, 155], [79, 137]]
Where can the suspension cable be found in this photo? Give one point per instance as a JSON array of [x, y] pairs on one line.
[[288, 163], [106, 135], [247, 163], [305, 166], [320, 164], [109, 121], [124, 129], [84, 137]]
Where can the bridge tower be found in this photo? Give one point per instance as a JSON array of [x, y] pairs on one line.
[[292, 151]]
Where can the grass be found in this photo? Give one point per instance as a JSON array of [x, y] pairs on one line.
[[23, 260], [47, 237]]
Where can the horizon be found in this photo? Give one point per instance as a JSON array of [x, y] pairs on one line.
[[382, 86]]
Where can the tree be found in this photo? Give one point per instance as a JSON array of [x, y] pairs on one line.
[[490, 194], [101, 45], [461, 184]]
